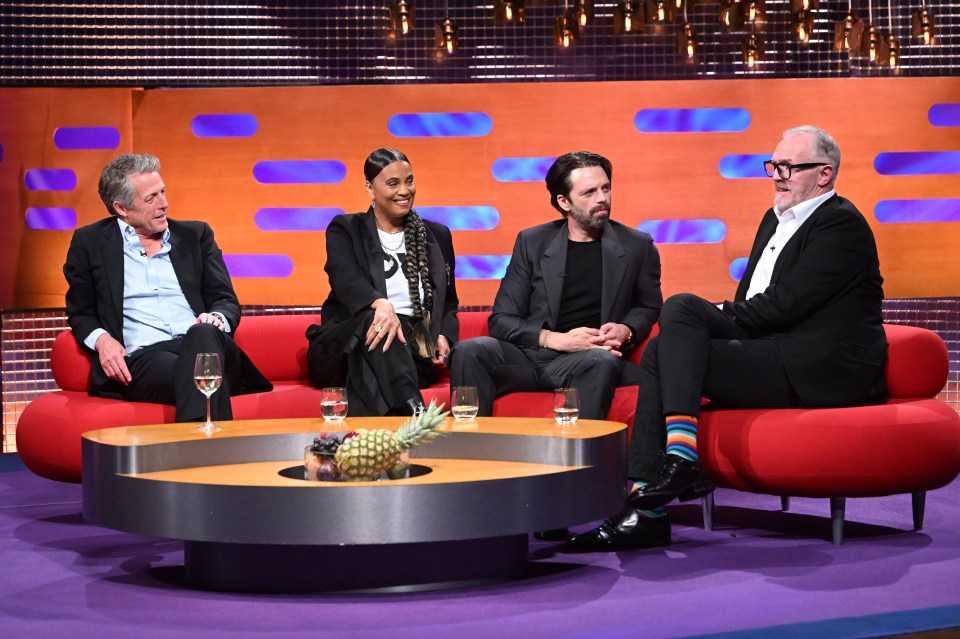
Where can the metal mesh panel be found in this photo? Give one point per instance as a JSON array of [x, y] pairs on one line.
[[183, 43]]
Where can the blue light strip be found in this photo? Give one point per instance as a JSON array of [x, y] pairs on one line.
[[917, 211], [707, 231], [711, 120], [462, 218], [224, 125], [50, 179], [918, 163], [254, 265], [295, 218], [740, 166], [482, 267], [947, 114], [433, 125], [86, 137], [531, 169], [41, 218], [299, 171]]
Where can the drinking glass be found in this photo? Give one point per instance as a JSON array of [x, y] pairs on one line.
[[207, 375], [333, 404], [566, 406], [464, 403]]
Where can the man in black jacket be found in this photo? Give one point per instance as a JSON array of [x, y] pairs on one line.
[[804, 330], [147, 294], [579, 294]]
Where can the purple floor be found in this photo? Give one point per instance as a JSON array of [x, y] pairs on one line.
[[60, 577]]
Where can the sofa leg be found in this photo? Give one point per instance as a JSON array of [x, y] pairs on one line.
[[919, 503], [708, 509], [837, 507], [784, 503]]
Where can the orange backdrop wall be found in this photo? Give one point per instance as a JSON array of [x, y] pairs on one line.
[[656, 175]]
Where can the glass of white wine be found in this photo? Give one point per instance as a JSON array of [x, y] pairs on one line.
[[566, 406], [464, 403], [333, 404], [208, 376]]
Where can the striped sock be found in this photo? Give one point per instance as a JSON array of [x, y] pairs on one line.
[[682, 436], [653, 513]]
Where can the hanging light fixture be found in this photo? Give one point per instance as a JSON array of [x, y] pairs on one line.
[[445, 36], [583, 12], [401, 18], [844, 33], [801, 18], [923, 27], [753, 13], [627, 17], [658, 13], [870, 43], [752, 50], [509, 11], [730, 16], [687, 42], [566, 29], [890, 53]]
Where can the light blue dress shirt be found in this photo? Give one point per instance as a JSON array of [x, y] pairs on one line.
[[154, 306]]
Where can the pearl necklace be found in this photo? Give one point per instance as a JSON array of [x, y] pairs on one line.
[[386, 245]]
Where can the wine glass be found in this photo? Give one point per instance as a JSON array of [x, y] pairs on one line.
[[566, 406], [333, 404], [464, 404], [207, 375]]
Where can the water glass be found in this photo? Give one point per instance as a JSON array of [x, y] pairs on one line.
[[566, 406], [333, 404], [464, 404]]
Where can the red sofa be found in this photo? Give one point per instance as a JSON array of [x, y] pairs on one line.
[[49, 429]]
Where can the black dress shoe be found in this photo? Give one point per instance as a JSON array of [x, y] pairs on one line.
[[677, 478], [625, 531], [557, 534]]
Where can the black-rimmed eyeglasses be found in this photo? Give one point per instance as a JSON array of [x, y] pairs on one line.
[[786, 170]]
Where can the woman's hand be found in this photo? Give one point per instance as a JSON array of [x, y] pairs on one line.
[[385, 326], [443, 351]]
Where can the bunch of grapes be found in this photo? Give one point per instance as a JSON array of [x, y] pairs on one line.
[[326, 443]]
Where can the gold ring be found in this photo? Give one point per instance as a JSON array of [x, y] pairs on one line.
[[377, 328]]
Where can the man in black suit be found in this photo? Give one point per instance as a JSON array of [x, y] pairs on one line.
[[579, 293], [147, 294], [804, 330]]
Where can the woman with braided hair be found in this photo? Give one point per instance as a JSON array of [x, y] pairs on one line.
[[391, 316]]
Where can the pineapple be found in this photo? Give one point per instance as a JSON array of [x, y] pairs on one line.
[[372, 452]]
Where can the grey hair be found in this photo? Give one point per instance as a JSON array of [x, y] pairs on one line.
[[115, 185], [823, 143]]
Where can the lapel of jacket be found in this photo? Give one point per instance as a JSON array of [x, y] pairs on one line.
[[370, 241], [612, 274], [113, 260], [768, 226], [438, 275], [182, 258], [793, 245], [552, 265]]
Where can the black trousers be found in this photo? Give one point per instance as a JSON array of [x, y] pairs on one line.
[[377, 380], [496, 368], [163, 373], [700, 352]]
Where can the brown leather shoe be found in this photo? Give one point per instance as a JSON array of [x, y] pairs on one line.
[[625, 531]]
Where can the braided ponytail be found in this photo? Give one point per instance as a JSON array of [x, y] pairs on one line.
[[417, 270]]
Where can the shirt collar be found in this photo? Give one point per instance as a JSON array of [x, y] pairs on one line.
[[804, 209], [130, 234]]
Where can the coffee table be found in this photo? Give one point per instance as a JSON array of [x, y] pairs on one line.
[[249, 524]]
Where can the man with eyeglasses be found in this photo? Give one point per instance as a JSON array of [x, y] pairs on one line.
[[804, 330]]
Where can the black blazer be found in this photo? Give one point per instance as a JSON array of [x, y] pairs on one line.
[[529, 295], [94, 272], [355, 268], [823, 306]]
